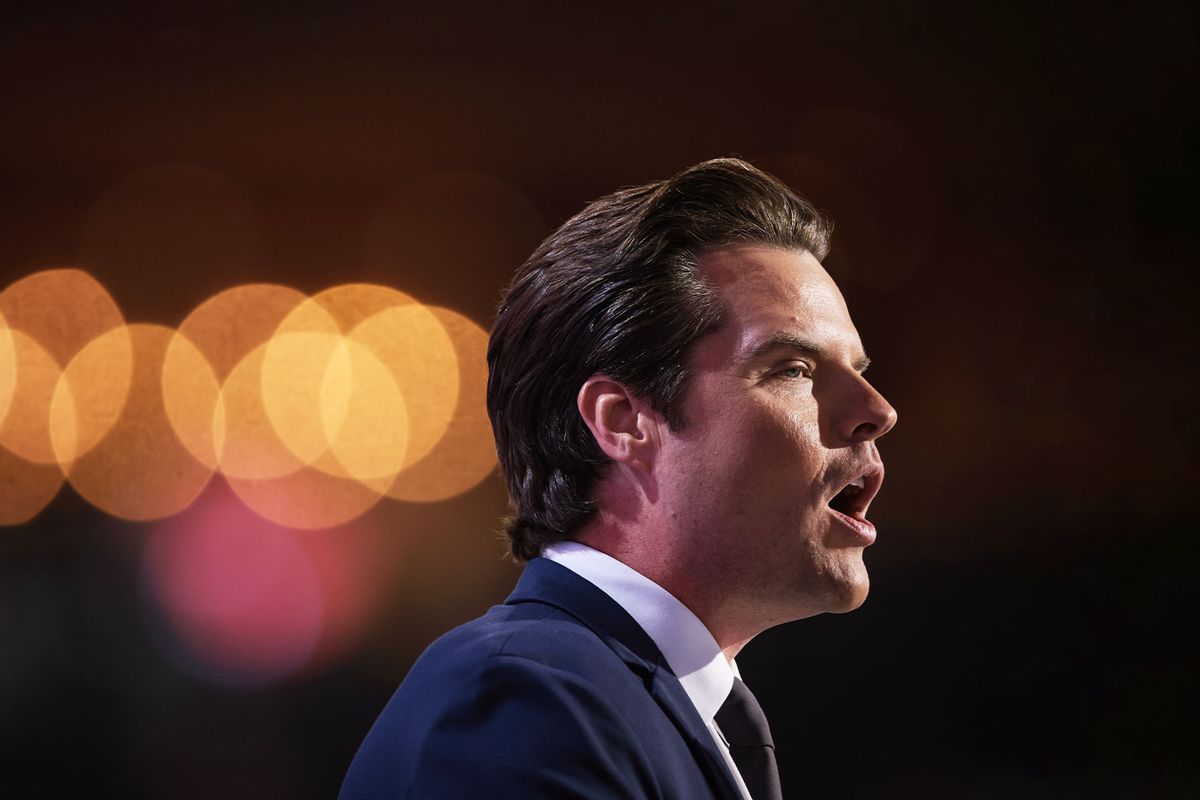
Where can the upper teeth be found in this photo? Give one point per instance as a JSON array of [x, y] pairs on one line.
[[858, 482]]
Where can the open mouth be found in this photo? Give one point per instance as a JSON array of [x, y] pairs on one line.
[[855, 497]]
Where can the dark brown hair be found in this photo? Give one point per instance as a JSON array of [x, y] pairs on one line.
[[616, 291]]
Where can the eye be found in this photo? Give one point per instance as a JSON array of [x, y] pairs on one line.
[[794, 372]]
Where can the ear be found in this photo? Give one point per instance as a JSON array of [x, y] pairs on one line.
[[625, 426]]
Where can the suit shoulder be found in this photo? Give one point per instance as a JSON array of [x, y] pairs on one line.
[[502, 699], [533, 632]]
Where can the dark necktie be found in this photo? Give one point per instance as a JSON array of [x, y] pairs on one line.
[[745, 726]]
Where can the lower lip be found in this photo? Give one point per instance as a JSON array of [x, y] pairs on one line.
[[862, 527]]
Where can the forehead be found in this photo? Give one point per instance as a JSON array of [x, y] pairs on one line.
[[769, 291]]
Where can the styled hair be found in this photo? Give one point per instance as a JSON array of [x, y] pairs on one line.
[[616, 291]]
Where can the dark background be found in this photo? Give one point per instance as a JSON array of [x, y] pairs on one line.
[[1015, 193]]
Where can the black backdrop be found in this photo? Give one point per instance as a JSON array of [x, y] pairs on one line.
[[1015, 193]]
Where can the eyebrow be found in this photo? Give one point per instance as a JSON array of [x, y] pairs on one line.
[[782, 340]]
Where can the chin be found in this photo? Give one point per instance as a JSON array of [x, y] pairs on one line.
[[852, 594], [838, 598]]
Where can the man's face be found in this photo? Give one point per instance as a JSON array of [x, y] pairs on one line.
[[779, 422]]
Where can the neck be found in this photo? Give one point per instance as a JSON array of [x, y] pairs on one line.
[[705, 594]]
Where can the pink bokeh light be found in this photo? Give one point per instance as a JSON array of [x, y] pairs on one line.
[[244, 601]]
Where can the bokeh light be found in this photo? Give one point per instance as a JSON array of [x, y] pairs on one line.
[[140, 470], [417, 348], [329, 400], [90, 395], [249, 602], [363, 414], [231, 323], [307, 499], [248, 444], [49, 315], [26, 427], [313, 408], [191, 397], [466, 454], [8, 367], [211, 341], [61, 309], [238, 592], [302, 397], [297, 370]]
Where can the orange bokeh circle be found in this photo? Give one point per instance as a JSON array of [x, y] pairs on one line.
[[26, 427], [8, 367], [210, 343], [140, 470], [323, 390], [466, 454], [90, 395]]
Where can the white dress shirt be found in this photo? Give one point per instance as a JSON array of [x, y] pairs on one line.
[[690, 650]]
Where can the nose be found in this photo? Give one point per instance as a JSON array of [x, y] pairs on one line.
[[865, 414]]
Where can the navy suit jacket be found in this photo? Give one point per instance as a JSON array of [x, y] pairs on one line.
[[558, 693]]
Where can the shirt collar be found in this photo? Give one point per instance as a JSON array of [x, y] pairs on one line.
[[689, 648]]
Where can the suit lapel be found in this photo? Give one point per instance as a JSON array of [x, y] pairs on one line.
[[544, 581], [669, 692]]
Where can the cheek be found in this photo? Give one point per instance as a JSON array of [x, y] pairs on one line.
[[765, 457], [772, 481], [790, 446]]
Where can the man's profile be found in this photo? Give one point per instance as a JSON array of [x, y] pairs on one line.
[[677, 395]]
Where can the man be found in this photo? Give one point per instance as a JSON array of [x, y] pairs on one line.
[[678, 400]]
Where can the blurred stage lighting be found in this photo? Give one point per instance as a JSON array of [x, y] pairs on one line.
[[313, 408], [234, 599]]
